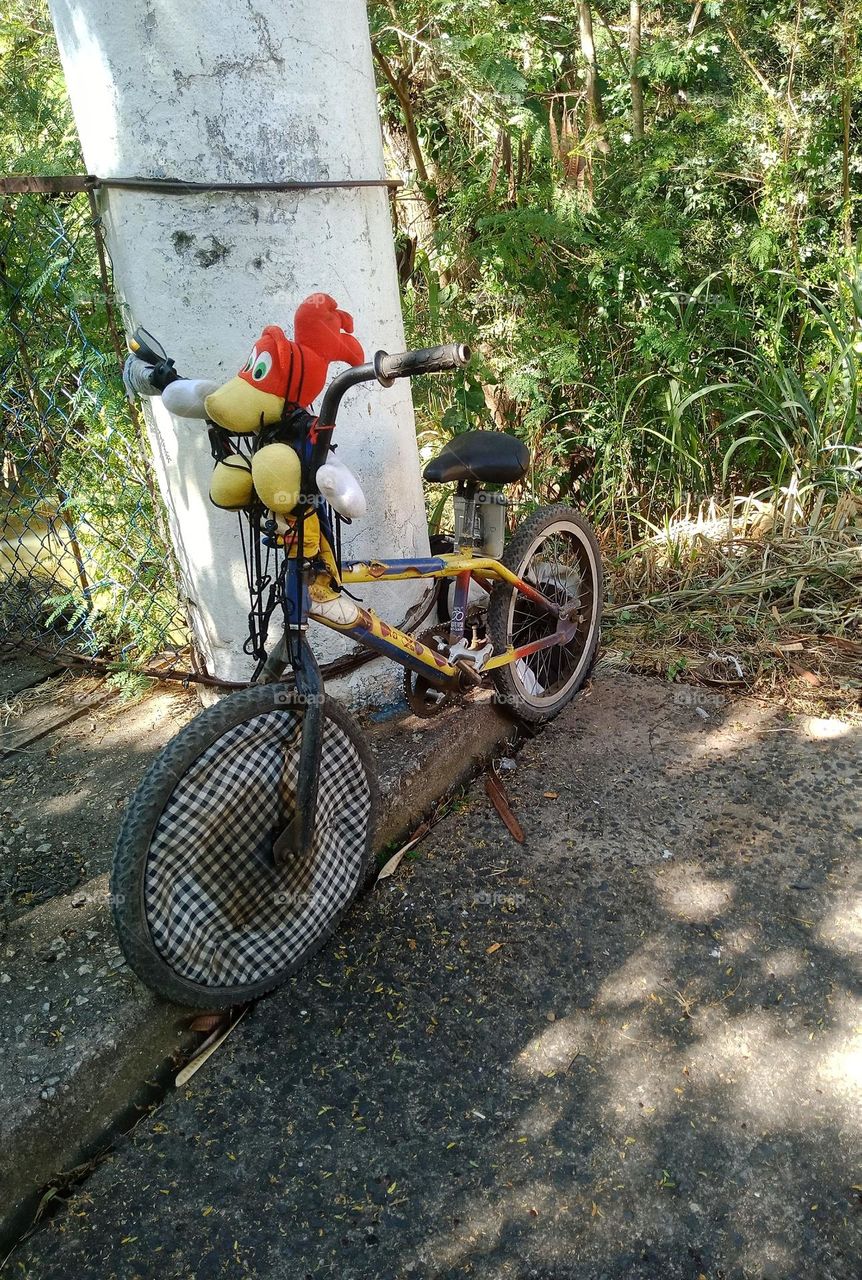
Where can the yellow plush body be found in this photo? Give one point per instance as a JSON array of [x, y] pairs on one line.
[[277, 477], [231, 486], [311, 538], [314, 543]]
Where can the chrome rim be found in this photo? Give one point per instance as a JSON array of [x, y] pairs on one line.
[[562, 565]]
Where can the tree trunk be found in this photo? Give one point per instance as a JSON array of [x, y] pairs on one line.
[[310, 238], [846, 91], [637, 89], [594, 97]]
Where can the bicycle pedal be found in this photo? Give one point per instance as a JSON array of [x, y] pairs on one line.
[[463, 652], [472, 673]]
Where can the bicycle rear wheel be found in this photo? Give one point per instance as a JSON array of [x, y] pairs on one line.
[[554, 550], [204, 915]]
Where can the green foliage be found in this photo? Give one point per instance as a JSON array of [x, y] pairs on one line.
[[678, 304], [37, 133], [83, 550]]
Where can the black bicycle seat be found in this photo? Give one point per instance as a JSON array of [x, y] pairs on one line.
[[480, 456]]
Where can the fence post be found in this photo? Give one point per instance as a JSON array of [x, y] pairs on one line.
[[223, 95]]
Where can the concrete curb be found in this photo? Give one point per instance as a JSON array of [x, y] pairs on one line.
[[84, 1044]]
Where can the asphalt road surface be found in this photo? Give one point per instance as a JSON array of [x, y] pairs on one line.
[[626, 1049]]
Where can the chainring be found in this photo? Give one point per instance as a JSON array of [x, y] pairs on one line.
[[424, 698]]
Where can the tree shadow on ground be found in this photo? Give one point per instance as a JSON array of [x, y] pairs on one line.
[[62, 797]]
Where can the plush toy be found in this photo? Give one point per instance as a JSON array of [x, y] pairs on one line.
[[231, 483], [280, 373]]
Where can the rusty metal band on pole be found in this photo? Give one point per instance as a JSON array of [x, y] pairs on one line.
[[173, 186], [67, 184]]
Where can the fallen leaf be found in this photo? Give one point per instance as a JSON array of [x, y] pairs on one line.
[[209, 1021], [207, 1050], [49, 1195], [500, 801], [389, 868]]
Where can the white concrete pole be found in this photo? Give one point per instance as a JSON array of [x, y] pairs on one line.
[[237, 91]]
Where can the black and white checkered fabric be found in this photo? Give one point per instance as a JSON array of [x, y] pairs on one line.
[[219, 913]]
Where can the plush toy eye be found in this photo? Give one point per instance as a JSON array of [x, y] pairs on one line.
[[249, 364], [262, 366]]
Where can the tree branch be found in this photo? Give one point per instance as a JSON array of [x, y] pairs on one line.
[[747, 62], [635, 85], [399, 89]]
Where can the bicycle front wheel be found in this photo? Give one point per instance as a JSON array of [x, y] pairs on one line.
[[555, 551], [203, 914]]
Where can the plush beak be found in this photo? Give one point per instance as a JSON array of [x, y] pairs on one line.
[[241, 408]]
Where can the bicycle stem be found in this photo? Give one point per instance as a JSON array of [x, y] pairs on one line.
[[329, 409]]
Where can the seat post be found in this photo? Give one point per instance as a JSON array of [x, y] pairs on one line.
[[465, 516]]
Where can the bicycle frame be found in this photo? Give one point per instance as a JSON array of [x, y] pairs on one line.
[[447, 672], [375, 633]]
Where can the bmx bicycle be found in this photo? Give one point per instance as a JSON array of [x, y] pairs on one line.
[[252, 831]]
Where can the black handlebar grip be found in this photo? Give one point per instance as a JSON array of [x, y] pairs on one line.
[[144, 379], [406, 364]]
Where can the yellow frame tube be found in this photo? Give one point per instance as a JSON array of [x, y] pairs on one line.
[[364, 571]]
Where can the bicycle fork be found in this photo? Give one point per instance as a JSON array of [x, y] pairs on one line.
[[297, 837]]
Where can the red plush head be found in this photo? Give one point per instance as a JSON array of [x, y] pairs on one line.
[[319, 325], [278, 370], [275, 366]]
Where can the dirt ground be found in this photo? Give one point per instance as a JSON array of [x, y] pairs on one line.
[[62, 797], [626, 1049]]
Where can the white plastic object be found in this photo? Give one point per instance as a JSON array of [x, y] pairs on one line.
[[185, 397], [341, 611], [341, 489]]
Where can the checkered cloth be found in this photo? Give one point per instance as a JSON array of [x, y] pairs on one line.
[[219, 913]]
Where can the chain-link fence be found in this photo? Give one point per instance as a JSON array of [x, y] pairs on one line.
[[83, 544]]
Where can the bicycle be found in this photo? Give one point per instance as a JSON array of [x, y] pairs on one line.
[[252, 831]]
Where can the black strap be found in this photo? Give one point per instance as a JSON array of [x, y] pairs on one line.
[[220, 442]]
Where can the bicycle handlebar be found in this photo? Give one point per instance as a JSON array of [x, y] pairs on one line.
[[385, 368], [148, 370], [406, 364], [145, 379]]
